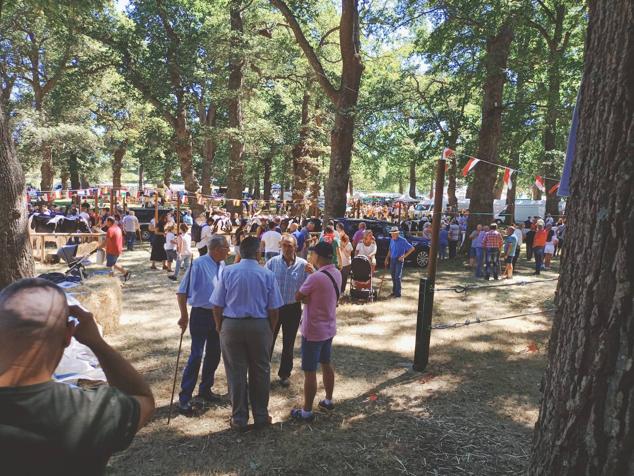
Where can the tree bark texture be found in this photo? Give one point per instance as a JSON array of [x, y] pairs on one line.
[[235, 176], [208, 117], [586, 420], [141, 178], [267, 163], [485, 175], [117, 164], [15, 248], [412, 179], [73, 170], [301, 159]]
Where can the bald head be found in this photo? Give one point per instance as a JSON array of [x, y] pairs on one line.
[[32, 309]]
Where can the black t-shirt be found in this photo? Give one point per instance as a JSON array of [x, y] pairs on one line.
[[52, 428]]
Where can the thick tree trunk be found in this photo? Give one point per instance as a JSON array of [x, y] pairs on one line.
[[452, 200], [184, 151], [497, 53], [117, 165], [401, 187], [64, 178], [141, 178], [46, 168], [585, 426], [267, 162], [73, 171], [208, 118], [412, 179], [83, 181], [235, 176], [167, 176], [256, 181], [15, 248], [511, 193], [301, 159]]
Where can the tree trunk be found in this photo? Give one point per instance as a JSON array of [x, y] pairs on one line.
[[167, 175], [46, 168], [64, 178], [401, 187], [117, 165], [350, 188], [497, 53], [452, 200], [83, 181], [267, 162], [511, 193], [73, 171], [208, 117], [141, 180], [235, 176], [536, 193], [412, 179], [15, 248], [184, 151], [585, 422], [301, 159], [256, 181]]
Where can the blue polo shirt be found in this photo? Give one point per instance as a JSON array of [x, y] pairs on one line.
[[204, 274], [399, 247], [300, 236], [247, 290], [289, 278]]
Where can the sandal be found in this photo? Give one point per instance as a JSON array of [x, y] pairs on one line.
[[296, 414]]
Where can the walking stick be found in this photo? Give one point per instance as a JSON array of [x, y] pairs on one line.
[[180, 346]]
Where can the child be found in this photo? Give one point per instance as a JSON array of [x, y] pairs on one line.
[[170, 246], [183, 251]]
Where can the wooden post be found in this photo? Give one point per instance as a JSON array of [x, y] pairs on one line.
[[426, 290], [156, 207], [97, 201]]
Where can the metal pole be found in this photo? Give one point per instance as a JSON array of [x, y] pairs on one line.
[[426, 290]]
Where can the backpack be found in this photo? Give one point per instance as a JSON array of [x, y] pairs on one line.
[[197, 231]]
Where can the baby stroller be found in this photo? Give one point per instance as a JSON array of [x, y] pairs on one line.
[[361, 285]]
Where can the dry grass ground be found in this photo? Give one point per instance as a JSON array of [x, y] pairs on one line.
[[471, 412]]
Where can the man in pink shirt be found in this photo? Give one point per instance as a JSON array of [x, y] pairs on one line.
[[320, 294]]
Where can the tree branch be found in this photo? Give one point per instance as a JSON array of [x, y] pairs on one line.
[[309, 52]]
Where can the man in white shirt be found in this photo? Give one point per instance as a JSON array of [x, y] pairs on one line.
[[130, 227], [205, 235], [519, 234], [270, 241], [85, 208]]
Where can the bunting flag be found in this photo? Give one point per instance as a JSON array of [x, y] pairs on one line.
[[554, 188], [539, 183], [447, 153], [507, 178], [470, 165]]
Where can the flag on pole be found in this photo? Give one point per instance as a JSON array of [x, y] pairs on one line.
[[554, 188], [447, 153], [507, 178], [470, 165], [539, 183]]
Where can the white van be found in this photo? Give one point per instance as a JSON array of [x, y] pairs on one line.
[[524, 208]]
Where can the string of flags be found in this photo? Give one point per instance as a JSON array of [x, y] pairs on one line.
[[540, 182]]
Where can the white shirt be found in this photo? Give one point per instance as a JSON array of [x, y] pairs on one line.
[[271, 240], [205, 234], [186, 244], [346, 254], [169, 236], [520, 237], [130, 223], [85, 216], [368, 251]]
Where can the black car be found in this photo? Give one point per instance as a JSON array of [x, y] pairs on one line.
[[381, 232], [145, 215]]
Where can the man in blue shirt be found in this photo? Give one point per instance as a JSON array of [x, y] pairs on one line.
[[290, 273], [195, 289], [302, 237], [245, 305], [400, 249]]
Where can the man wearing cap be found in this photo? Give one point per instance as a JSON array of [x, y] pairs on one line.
[[245, 306], [399, 250], [320, 294]]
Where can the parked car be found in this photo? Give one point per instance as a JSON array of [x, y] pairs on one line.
[[145, 215], [381, 232]]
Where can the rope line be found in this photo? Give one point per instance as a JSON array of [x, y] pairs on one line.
[[459, 289], [468, 322]]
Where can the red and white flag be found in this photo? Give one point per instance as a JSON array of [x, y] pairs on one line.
[[539, 183], [553, 189], [470, 165], [507, 178], [447, 153]]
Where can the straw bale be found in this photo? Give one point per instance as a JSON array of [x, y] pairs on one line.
[[102, 296]]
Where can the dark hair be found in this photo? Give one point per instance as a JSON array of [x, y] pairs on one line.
[[329, 229], [249, 247], [493, 226], [184, 228], [110, 219], [272, 225]]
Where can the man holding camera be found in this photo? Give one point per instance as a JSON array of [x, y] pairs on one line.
[[52, 428]]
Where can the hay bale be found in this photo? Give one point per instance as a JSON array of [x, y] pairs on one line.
[[102, 296], [85, 248]]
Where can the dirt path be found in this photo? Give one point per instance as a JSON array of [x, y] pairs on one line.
[[471, 412]]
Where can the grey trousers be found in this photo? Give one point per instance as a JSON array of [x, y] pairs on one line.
[[246, 352]]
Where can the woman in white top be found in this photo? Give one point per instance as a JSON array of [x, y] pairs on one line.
[[549, 249], [170, 246], [367, 248], [183, 251], [345, 251]]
